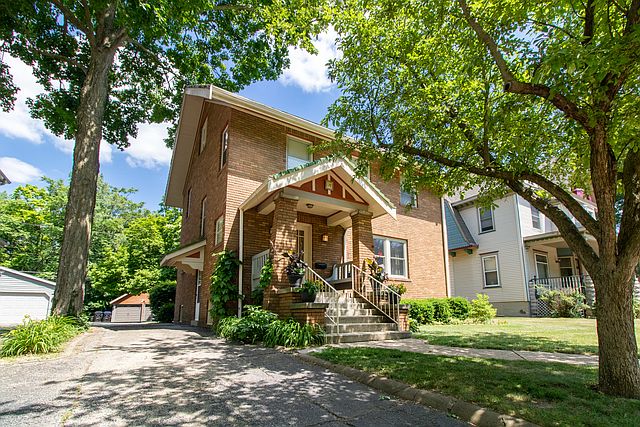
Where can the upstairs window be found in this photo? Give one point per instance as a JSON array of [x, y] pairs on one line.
[[203, 135], [203, 215], [224, 147], [408, 198], [535, 218], [297, 153], [486, 220], [219, 230]]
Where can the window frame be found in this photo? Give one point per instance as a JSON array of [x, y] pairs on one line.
[[386, 256], [203, 135], [413, 194], [224, 147], [535, 259], [299, 140], [219, 234], [203, 215], [484, 272], [493, 221], [533, 218], [188, 212]]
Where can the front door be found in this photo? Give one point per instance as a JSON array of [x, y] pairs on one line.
[[303, 241], [196, 316]]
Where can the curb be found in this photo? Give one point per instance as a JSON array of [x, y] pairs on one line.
[[464, 411]]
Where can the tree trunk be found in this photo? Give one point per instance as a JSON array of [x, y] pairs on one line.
[[619, 371], [72, 269]]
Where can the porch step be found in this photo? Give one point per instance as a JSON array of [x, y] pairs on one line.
[[346, 328], [365, 336], [352, 312], [363, 319]]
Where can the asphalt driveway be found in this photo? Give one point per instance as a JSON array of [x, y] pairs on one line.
[[166, 375]]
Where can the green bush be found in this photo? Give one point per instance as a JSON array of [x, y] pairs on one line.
[[636, 309], [250, 328], [563, 304], [460, 307], [481, 309], [162, 301], [41, 336], [439, 310], [421, 311], [290, 333]]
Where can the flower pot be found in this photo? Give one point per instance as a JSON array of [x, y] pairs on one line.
[[307, 296], [295, 280]]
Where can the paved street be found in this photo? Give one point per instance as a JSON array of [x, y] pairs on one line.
[[165, 375]]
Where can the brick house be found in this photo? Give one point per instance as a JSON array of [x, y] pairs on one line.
[[244, 176]]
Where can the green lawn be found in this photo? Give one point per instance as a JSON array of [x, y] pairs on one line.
[[520, 333], [549, 394]]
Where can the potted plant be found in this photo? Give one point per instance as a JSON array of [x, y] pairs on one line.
[[399, 290], [376, 273], [308, 290], [295, 269]]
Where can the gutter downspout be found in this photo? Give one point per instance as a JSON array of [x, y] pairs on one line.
[[240, 257], [445, 246]]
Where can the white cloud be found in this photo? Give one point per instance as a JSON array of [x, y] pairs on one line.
[[18, 124], [310, 71], [18, 171], [148, 149]]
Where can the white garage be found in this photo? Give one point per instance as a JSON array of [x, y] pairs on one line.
[[22, 295], [131, 309]]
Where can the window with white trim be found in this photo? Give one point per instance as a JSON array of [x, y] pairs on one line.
[[298, 152], [392, 255], [408, 197], [485, 217], [219, 230], [203, 215], [535, 218], [203, 135], [224, 147], [490, 271], [542, 266]]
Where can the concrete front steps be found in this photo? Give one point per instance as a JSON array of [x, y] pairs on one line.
[[357, 321]]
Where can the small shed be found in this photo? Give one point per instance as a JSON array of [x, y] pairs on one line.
[[129, 308], [23, 294]]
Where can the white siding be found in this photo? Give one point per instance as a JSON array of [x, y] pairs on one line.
[[506, 242], [20, 296], [526, 223]]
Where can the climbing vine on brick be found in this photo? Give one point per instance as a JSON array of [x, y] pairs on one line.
[[223, 286]]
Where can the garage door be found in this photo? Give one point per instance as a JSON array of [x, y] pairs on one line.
[[14, 306], [126, 313]]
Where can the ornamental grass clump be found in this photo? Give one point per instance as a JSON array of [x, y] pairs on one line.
[[289, 333], [41, 336], [250, 328]]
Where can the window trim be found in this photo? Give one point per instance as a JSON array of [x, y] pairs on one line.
[[413, 194], [386, 245], [300, 140], [484, 272], [224, 147], [218, 238], [203, 135], [203, 215], [493, 221], [533, 223]]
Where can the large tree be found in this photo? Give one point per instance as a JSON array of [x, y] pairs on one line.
[[107, 65], [534, 97]]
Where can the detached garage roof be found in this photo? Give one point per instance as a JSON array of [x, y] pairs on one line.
[[19, 275], [128, 299]]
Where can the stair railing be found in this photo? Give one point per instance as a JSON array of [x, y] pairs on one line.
[[376, 293], [333, 311]]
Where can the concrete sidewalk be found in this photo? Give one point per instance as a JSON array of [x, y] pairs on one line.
[[420, 346]]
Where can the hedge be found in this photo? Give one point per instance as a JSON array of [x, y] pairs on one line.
[[440, 310]]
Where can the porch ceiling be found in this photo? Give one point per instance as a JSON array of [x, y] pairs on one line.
[[357, 194], [555, 240]]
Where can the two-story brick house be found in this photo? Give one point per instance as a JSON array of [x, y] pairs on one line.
[[244, 176]]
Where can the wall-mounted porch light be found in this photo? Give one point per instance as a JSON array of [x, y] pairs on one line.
[[309, 205], [325, 237]]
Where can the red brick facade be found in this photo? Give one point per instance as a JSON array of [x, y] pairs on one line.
[[257, 150]]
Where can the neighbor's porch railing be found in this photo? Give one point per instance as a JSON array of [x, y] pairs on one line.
[[386, 300], [568, 284]]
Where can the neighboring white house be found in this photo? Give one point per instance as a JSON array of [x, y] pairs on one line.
[[509, 250], [3, 179], [22, 294]]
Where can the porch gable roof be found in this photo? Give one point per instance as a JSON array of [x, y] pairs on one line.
[[365, 188], [189, 257]]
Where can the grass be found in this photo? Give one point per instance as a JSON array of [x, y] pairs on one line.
[[549, 394], [576, 336]]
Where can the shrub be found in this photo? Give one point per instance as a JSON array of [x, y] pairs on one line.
[[563, 304], [481, 309], [290, 333], [636, 309], [250, 328], [162, 301], [421, 311], [41, 336], [441, 310], [460, 307]]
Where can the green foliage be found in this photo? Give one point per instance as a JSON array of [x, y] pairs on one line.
[[562, 304], [223, 287], [250, 328], [481, 309], [292, 334], [636, 309], [398, 288], [162, 298], [265, 280], [438, 310], [41, 336], [310, 286]]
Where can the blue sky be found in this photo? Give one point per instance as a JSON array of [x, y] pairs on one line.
[[29, 151]]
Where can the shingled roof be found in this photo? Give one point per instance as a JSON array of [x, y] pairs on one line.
[[458, 235]]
